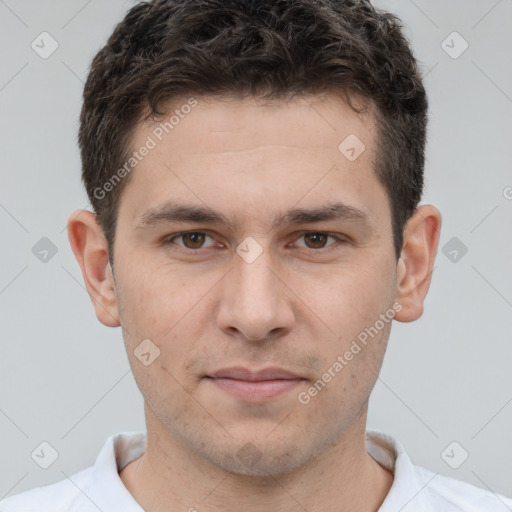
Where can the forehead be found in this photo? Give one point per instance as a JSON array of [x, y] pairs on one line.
[[227, 152], [310, 121]]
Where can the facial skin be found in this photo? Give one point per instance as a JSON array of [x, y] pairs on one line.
[[297, 306]]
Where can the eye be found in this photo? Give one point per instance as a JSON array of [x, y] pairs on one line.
[[193, 240], [316, 240]]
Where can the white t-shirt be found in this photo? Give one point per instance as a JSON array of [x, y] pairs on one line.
[[99, 488]]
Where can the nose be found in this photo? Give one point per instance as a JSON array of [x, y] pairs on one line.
[[256, 301]]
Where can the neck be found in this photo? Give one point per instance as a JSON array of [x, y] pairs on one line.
[[171, 476]]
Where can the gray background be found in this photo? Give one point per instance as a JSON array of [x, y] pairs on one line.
[[64, 377]]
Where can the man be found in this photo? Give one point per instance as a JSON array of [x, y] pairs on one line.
[[255, 169]]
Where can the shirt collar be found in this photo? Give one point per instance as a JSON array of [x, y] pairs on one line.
[[110, 494], [407, 488]]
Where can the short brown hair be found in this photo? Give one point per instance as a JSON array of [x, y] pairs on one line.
[[265, 48]]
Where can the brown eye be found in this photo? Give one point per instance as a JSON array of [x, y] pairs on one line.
[[316, 240], [192, 240]]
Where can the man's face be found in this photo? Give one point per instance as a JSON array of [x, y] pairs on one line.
[[257, 294]]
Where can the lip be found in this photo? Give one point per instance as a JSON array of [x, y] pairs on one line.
[[241, 373], [254, 386]]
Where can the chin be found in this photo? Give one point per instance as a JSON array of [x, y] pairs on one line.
[[264, 457], [250, 461]]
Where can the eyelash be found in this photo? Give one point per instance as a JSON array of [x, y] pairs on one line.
[[339, 240]]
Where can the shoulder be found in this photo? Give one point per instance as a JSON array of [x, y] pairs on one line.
[[456, 495], [417, 489], [67, 494], [95, 488]]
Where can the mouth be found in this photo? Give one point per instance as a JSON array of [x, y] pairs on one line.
[[254, 386]]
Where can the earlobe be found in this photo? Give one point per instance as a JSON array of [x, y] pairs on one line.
[[90, 248], [415, 266]]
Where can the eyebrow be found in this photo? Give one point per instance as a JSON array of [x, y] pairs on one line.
[[173, 212]]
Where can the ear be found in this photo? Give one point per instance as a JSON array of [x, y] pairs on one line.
[[416, 262], [91, 251]]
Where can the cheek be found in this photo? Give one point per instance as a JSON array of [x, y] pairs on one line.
[[170, 312], [351, 336], [348, 300], [152, 301], [342, 390]]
